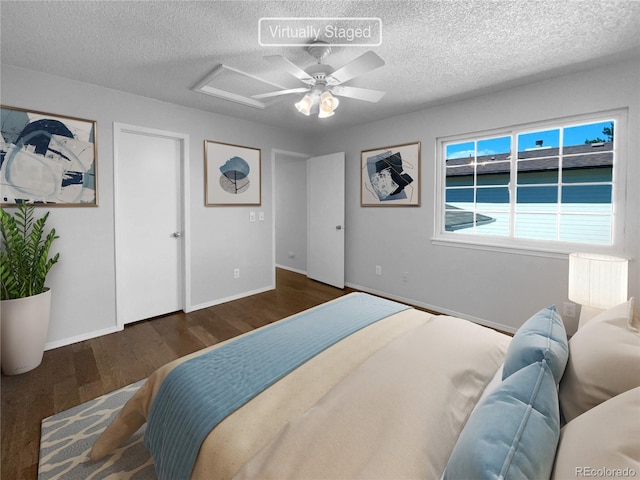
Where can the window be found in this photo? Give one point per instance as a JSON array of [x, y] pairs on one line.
[[544, 185]]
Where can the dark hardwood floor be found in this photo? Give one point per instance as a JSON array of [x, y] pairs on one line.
[[71, 375]]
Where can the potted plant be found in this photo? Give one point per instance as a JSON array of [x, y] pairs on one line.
[[25, 301]]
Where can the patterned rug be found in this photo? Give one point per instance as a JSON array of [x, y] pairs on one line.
[[67, 437]]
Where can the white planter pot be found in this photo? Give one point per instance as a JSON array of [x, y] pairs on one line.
[[24, 324]]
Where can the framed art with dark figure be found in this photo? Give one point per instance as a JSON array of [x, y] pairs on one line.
[[232, 174], [47, 159], [390, 176]]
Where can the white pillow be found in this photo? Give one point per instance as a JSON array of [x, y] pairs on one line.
[[492, 385], [603, 442], [634, 317], [604, 360]]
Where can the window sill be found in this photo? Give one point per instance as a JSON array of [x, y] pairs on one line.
[[543, 250]]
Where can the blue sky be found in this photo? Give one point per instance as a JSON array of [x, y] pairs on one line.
[[551, 138]]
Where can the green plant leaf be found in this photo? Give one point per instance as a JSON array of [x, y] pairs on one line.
[[24, 258]]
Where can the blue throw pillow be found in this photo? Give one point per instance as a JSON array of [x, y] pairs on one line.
[[514, 431], [542, 337]]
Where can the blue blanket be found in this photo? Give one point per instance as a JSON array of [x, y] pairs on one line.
[[201, 392]]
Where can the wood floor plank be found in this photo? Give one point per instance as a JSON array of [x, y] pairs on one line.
[[85, 365], [80, 372], [66, 394]]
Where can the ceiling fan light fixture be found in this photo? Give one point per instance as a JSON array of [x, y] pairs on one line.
[[322, 79], [328, 102], [305, 104], [323, 113]]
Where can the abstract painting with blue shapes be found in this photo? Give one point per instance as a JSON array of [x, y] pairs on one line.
[[47, 159], [387, 176], [232, 174], [235, 176], [390, 176]]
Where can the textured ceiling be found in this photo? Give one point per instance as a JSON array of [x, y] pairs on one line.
[[435, 51]]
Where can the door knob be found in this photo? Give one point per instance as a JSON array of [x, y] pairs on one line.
[[338, 227], [177, 234]]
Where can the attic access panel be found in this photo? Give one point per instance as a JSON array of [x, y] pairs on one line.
[[236, 86]]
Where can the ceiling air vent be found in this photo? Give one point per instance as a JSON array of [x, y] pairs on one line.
[[236, 86]]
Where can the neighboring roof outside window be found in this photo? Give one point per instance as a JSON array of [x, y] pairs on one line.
[[457, 219], [578, 156]]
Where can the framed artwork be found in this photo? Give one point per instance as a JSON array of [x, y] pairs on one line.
[[47, 159], [232, 174], [390, 176]]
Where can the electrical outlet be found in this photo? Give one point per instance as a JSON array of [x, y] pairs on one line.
[[236, 273], [378, 270], [405, 276], [569, 309]]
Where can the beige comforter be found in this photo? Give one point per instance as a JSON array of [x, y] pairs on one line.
[[388, 401]]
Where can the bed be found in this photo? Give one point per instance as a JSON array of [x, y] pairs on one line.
[[363, 387]]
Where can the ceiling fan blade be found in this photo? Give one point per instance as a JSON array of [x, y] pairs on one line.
[[280, 92], [290, 68], [365, 94], [364, 63]]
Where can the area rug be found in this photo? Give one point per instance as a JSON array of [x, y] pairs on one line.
[[67, 437]]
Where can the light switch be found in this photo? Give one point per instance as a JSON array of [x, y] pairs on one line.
[[261, 216], [252, 216]]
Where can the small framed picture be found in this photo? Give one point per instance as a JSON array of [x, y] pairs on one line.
[[390, 176], [47, 159], [232, 174]]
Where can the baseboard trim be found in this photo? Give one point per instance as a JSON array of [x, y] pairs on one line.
[[294, 270], [106, 331], [80, 338], [436, 308], [230, 299]]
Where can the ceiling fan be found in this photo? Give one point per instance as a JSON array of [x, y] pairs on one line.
[[323, 81]]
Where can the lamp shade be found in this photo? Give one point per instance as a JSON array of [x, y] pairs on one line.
[[328, 103], [304, 105], [323, 113], [597, 281]]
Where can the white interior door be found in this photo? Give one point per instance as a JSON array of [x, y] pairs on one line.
[[148, 223], [326, 219]]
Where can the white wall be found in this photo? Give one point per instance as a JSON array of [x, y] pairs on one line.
[[495, 288], [222, 238], [290, 193]]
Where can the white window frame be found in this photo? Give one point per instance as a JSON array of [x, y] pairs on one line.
[[552, 248]]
